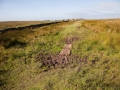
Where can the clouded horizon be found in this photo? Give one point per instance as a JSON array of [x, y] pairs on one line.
[[19, 10]]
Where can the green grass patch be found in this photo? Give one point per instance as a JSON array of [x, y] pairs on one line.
[[97, 47]]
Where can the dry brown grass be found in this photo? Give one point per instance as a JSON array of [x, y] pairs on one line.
[[103, 25], [12, 24]]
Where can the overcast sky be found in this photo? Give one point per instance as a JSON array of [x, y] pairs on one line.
[[11, 10]]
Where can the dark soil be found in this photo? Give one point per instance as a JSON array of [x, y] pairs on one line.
[[70, 40], [59, 60], [64, 58]]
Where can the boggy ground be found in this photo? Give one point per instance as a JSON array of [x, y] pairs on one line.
[[63, 58], [92, 61], [19, 49]]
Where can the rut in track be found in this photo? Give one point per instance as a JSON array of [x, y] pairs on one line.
[[63, 58]]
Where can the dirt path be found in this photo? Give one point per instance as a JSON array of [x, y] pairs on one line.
[[68, 43], [64, 57], [66, 50]]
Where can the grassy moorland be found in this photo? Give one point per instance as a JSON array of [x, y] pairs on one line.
[[96, 65], [18, 50], [101, 45]]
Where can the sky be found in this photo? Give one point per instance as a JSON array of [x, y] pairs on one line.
[[24, 10]]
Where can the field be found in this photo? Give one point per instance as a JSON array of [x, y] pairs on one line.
[[31, 59]]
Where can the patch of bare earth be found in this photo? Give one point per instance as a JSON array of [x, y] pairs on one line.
[[68, 46], [63, 59]]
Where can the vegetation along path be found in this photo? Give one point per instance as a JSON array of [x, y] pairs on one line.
[[70, 36]]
